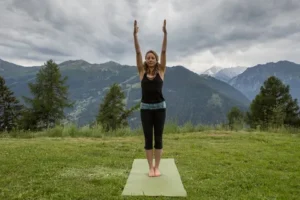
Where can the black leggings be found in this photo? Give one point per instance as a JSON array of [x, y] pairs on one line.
[[153, 119]]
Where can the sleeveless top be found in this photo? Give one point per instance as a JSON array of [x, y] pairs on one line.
[[152, 89]]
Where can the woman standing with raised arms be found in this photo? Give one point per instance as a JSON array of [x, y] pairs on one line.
[[153, 105]]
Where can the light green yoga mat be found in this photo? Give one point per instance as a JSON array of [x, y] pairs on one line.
[[140, 184]]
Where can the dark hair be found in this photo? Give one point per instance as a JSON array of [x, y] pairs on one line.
[[157, 63]]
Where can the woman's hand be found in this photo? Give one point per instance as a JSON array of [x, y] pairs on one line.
[[164, 27], [136, 28]]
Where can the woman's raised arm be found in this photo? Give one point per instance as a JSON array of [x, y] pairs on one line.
[[139, 59], [163, 56]]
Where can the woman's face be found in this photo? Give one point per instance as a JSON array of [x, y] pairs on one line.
[[151, 59]]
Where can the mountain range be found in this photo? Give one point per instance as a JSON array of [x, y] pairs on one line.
[[190, 97], [250, 81]]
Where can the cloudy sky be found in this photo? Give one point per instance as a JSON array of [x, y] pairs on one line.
[[201, 34]]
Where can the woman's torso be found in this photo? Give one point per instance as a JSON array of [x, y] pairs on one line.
[[152, 89]]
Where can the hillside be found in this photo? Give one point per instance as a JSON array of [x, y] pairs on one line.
[[189, 97], [225, 89]]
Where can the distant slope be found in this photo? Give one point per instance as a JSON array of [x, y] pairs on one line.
[[250, 81], [225, 89]]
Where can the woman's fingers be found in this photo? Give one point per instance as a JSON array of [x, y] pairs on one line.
[[164, 27], [135, 30]]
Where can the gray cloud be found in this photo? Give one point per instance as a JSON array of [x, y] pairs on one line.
[[218, 32]]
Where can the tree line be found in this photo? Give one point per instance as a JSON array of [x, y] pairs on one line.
[[272, 107]]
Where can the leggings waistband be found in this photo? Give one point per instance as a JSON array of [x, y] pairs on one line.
[[152, 106]]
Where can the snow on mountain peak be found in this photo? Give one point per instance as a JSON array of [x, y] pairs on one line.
[[213, 70]]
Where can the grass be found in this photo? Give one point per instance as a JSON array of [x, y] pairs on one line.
[[213, 164]]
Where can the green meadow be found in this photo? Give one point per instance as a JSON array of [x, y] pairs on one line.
[[84, 163]]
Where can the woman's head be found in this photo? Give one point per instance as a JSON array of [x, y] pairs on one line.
[[151, 60]]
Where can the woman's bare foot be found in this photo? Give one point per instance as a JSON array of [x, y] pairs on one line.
[[156, 172], [151, 172]]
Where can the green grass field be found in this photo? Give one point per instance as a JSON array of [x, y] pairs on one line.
[[212, 165]]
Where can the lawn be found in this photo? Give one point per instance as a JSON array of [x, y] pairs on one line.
[[212, 165]]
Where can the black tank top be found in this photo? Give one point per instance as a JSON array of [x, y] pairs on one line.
[[152, 89]]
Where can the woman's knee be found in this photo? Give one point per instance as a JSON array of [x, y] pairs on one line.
[[147, 124], [158, 142]]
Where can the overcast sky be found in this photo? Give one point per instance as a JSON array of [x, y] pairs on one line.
[[201, 34]]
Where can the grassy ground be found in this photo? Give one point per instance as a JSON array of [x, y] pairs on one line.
[[212, 165]]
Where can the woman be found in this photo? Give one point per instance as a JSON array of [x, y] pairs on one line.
[[153, 106]]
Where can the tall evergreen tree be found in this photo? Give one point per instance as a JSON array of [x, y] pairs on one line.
[[235, 117], [112, 112], [292, 110], [273, 106], [10, 108], [50, 97]]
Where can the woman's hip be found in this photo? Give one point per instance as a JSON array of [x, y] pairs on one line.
[[153, 106]]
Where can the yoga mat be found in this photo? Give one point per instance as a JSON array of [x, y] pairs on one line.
[[140, 184]]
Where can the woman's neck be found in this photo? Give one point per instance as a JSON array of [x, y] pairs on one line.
[[151, 71]]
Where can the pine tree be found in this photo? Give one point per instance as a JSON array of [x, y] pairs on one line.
[[292, 110], [112, 112], [273, 106], [50, 97], [10, 108], [235, 117]]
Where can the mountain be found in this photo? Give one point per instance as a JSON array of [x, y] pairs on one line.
[[228, 73], [250, 81], [189, 96], [212, 71], [224, 74], [8, 69]]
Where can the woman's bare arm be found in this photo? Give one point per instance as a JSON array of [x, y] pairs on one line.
[[163, 56], [139, 59]]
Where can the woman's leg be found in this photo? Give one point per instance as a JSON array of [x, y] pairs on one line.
[[147, 123], [159, 122]]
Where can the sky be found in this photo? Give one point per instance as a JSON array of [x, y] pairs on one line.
[[200, 34]]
